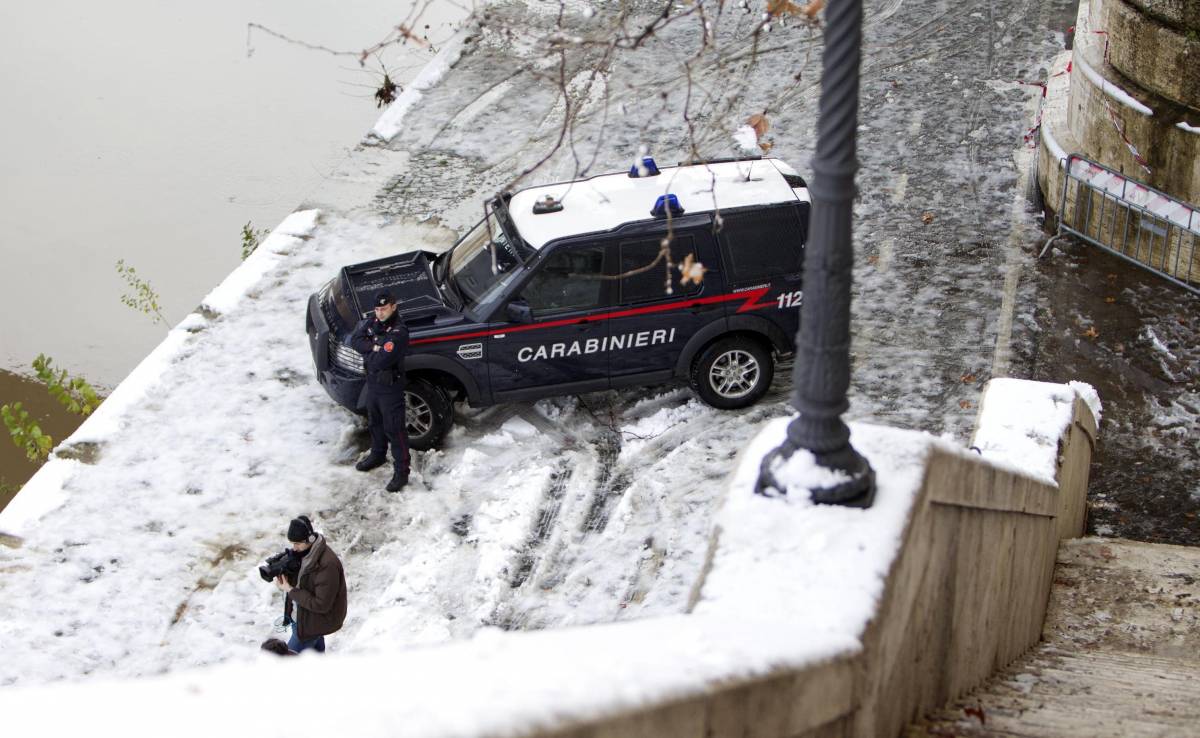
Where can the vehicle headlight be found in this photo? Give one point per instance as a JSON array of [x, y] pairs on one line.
[[344, 356]]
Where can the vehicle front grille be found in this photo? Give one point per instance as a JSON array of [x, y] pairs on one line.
[[345, 357]]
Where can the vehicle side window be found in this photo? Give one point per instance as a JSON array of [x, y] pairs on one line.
[[645, 274], [570, 279], [763, 243]]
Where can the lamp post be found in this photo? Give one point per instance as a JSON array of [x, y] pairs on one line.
[[822, 372]]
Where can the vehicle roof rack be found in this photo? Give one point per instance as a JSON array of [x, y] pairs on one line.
[[720, 160]]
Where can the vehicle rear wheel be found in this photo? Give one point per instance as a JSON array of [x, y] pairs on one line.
[[733, 372], [429, 414]]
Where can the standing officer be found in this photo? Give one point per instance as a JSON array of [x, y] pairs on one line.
[[383, 341]]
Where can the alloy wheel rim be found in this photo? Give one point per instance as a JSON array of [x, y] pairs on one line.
[[734, 374], [418, 415]]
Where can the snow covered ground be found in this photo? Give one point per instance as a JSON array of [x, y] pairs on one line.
[[570, 511], [583, 510]]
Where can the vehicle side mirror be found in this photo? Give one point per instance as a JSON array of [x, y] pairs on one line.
[[518, 311]]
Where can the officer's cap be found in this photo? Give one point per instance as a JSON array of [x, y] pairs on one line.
[[384, 298]]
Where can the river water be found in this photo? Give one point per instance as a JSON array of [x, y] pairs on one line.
[[151, 132]]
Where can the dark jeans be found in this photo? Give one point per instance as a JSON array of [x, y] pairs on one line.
[[385, 414], [297, 645]]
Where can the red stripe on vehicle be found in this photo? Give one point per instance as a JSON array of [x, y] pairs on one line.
[[750, 302]]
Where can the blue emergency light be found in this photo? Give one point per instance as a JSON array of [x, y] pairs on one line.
[[664, 203], [647, 164]]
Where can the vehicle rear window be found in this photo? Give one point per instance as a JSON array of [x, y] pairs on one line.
[[646, 275], [761, 244]]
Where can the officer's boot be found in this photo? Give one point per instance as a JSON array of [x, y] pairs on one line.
[[371, 461], [399, 480]]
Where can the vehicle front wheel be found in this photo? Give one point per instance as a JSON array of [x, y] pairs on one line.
[[732, 372], [429, 414]]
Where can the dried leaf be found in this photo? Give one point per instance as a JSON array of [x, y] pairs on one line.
[[1112, 277], [1110, 300], [964, 404], [759, 123], [1091, 332], [765, 146], [927, 217], [873, 259], [691, 270], [967, 378], [976, 712], [777, 8]]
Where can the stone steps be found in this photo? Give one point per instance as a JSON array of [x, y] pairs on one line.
[[1120, 654], [1052, 693]]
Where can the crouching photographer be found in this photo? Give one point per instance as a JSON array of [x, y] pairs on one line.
[[310, 576]]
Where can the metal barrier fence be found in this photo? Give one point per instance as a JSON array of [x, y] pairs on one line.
[[1130, 220]]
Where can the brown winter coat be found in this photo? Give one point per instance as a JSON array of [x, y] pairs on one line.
[[319, 593]]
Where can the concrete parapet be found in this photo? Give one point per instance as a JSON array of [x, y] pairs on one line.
[[814, 703], [1073, 471], [968, 593], [1055, 141], [1161, 58]]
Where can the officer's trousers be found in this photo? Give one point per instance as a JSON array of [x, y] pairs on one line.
[[386, 417]]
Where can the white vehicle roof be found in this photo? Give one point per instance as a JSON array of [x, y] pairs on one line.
[[606, 201]]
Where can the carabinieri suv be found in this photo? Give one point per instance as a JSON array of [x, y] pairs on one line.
[[686, 273]]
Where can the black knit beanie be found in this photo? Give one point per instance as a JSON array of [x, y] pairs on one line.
[[299, 529]]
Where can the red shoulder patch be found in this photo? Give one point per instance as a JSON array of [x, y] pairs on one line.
[[389, 346]]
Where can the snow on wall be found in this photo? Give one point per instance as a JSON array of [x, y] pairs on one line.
[[286, 236], [392, 120], [1020, 423], [820, 568], [1056, 150]]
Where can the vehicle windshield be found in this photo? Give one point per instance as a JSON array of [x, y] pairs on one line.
[[482, 263], [341, 301]]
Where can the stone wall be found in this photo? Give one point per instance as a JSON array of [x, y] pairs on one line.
[[1128, 97]]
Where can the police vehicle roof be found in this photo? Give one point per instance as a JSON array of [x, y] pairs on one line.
[[607, 201]]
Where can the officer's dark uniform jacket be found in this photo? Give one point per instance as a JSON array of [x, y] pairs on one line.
[[385, 367], [383, 393]]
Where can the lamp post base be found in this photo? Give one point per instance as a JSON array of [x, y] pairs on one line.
[[856, 491]]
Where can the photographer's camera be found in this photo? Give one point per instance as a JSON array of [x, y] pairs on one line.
[[281, 564]]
